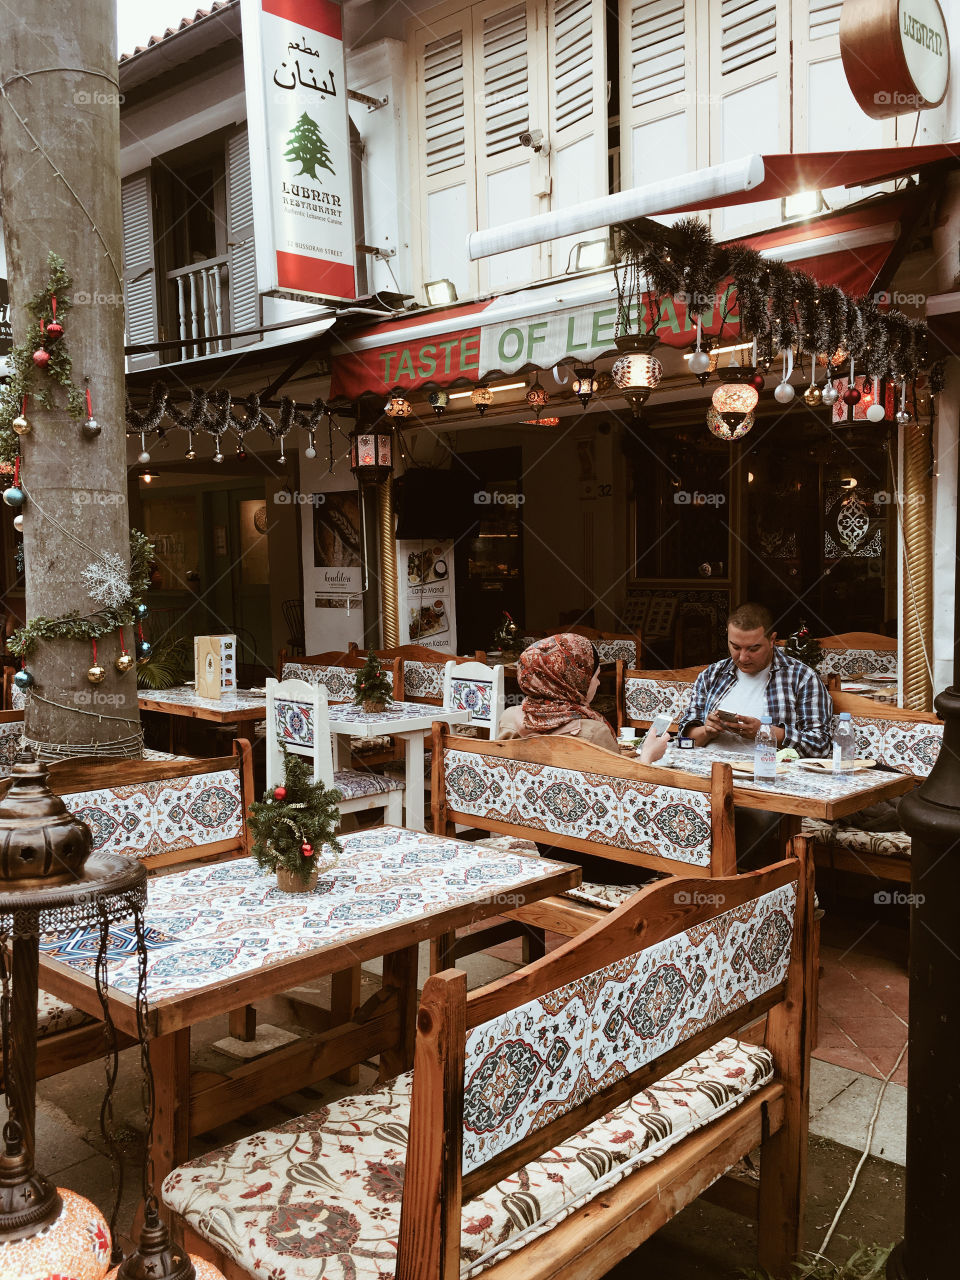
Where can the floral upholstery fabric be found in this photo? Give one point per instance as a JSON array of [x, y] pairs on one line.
[[475, 696], [608, 896], [890, 844], [422, 679], [53, 1015], [338, 681], [666, 822], [319, 1197], [647, 699], [618, 651], [354, 783], [514, 844], [906, 747], [10, 736], [857, 662], [145, 818]]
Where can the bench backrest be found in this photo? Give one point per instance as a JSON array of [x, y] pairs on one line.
[[11, 733], [477, 688], [857, 653], [297, 718], [162, 812], [644, 695], [612, 646], [512, 1070], [338, 678], [423, 671], [908, 741], [560, 791]]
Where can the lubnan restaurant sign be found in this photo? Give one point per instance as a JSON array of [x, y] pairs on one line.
[[299, 138], [896, 55]]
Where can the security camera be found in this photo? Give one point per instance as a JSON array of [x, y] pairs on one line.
[[532, 138]]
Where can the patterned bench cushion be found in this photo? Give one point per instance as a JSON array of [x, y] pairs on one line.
[[665, 822], [899, 744], [354, 783], [891, 844], [608, 896], [53, 1016], [321, 1194], [513, 844], [647, 699], [617, 651], [858, 662], [338, 681], [423, 679], [140, 819]]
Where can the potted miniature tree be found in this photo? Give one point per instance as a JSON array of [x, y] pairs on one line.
[[371, 689], [801, 644], [294, 827]]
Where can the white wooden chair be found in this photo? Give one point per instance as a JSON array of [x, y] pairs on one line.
[[297, 717], [477, 688]]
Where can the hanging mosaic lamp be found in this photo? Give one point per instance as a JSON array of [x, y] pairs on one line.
[[482, 398], [735, 398], [439, 401], [397, 405], [733, 428], [371, 453], [585, 385], [636, 372], [839, 357], [537, 397]]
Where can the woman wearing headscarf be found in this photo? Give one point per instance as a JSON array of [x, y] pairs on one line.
[[558, 677]]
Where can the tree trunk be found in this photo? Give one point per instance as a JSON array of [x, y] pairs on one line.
[[60, 190]]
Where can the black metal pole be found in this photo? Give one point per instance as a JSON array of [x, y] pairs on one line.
[[931, 817]]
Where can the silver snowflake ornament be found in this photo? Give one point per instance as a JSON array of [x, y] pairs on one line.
[[106, 580]]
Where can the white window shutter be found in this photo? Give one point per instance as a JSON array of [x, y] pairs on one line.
[[575, 41], [506, 84], [748, 33], [824, 19], [139, 267], [241, 251], [443, 116], [658, 51]]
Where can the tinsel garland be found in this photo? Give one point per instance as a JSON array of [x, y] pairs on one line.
[[25, 378], [750, 274], [77, 626], [152, 416], [876, 359], [783, 308]]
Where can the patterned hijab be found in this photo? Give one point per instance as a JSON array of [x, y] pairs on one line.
[[555, 675]]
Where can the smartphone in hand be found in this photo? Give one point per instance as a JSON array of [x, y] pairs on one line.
[[660, 725], [728, 717]]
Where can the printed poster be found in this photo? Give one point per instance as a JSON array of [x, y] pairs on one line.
[[337, 547], [426, 600]]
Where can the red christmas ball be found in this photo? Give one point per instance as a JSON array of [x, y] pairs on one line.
[[757, 381], [306, 850], [851, 396], [41, 358], [54, 331], [279, 793]]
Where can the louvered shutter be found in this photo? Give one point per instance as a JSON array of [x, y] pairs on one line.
[[444, 139], [139, 267], [241, 251], [824, 19], [578, 110], [661, 135], [748, 33]]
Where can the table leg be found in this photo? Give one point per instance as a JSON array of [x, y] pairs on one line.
[[400, 970], [344, 1002], [414, 780], [243, 1022], [341, 751], [170, 1060]]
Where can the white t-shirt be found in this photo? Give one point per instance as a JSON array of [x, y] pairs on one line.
[[748, 697]]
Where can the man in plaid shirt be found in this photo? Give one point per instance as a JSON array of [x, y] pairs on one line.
[[758, 679]]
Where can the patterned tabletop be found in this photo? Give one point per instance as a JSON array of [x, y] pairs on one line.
[[225, 920], [396, 717], [182, 699], [795, 782]]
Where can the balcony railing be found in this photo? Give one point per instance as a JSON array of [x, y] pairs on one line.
[[202, 306]]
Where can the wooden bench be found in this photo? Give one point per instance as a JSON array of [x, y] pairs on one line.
[[644, 695], [559, 791], [165, 813], [908, 741], [337, 672], [555, 1119]]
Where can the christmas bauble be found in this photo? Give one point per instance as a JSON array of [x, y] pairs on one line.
[[18, 523], [144, 649], [812, 396], [96, 674], [190, 455], [90, 428], [41, 358], [279, 793], [241, 454], [54, 331], [876, 413], [13, 496], [23, 679], [783, 393], [218, 456], [851, 396], [829, 394], [310, 453], [699, 362], [141, 610], [306, 850], [123, 663], [20, 425], [757, 380], [902, 417]]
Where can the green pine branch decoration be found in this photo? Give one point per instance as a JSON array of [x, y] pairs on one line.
[[77, 626], [371, 684], [306, 813], [801, 644], [26, 379]]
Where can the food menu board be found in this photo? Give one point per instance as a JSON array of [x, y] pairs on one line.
[[426, 600]]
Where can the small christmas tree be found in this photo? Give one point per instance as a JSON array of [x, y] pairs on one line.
[[802, 645], [371, 689], [295, 824], [307, 148], [507, 635]]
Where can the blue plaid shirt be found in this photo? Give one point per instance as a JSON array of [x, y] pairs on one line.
[[796, 699]]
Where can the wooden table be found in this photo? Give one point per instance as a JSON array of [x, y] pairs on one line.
[[243, 707], [797, 792], [222, 936], [410, 721]]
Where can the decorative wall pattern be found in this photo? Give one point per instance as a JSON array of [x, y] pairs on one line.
[[665, 822], [542, 1059], [147, 818]]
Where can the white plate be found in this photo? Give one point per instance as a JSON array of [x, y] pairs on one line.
[[826, 766], [881, 679]]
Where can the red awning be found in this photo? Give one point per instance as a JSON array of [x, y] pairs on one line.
[[786, 175]]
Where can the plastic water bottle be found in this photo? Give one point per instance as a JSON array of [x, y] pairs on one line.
[[844, 744], [765, 751]]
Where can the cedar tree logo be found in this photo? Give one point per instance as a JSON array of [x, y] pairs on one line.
[[307, 148]]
